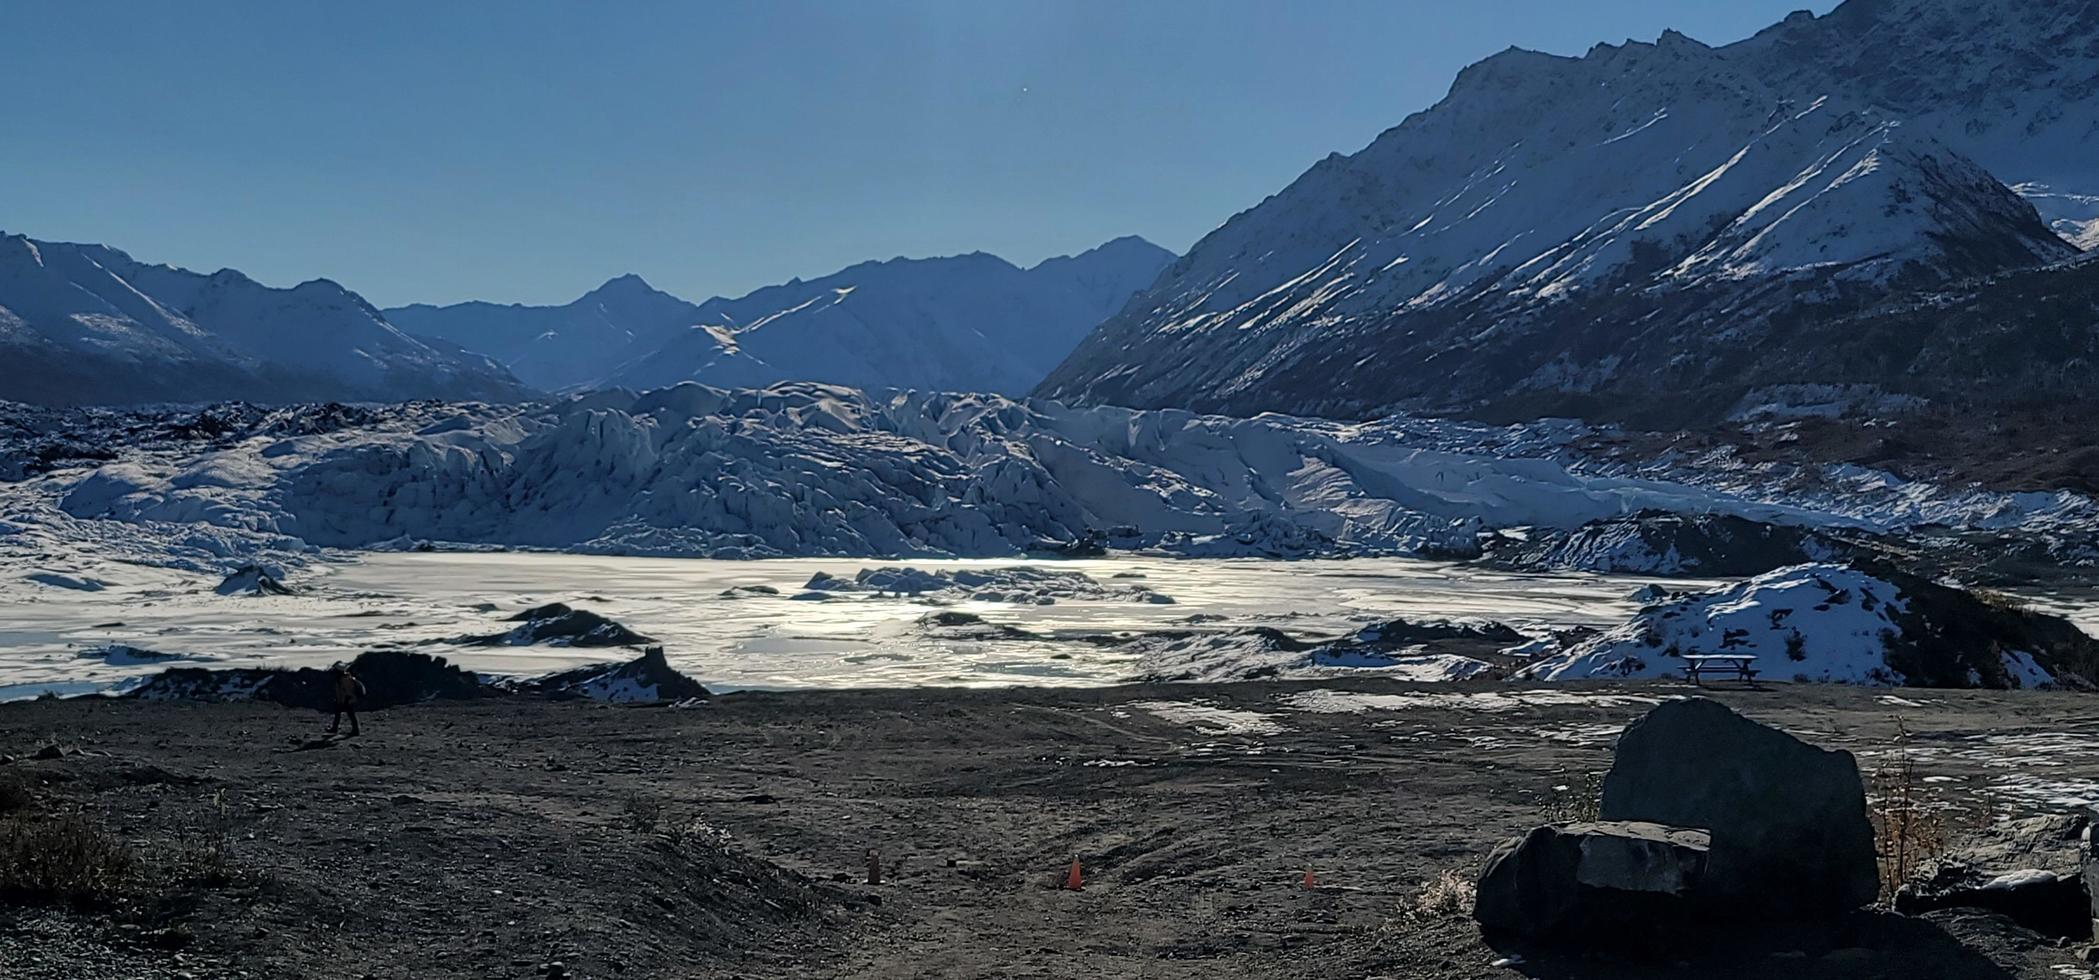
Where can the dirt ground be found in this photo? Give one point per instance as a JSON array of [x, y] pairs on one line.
[[732, 839]]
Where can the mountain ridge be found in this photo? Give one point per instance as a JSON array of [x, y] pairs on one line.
[[88, 324], [1558, 233], [943, 323]]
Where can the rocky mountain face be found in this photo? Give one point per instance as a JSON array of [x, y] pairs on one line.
[[1644, 232], [962, 323], [87, 324]]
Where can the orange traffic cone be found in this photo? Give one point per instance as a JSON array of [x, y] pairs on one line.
[[1073, 881], [1311, 882]]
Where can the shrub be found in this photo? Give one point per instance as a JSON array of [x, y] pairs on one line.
[[1448, 895], [15, 794], [644, 813], [62, 858], [1912, 824]]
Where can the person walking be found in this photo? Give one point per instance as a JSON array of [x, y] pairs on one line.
[[348, 690]]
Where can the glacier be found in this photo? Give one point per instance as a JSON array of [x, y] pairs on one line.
[[805, 469]]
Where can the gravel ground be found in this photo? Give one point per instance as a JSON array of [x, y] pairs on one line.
[[534, 839]]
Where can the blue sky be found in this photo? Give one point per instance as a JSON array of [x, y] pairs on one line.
[[527, 151]]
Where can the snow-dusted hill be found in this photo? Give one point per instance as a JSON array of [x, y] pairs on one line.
[[87, 324], [961, 323], [1836, 623], [1578, 234]]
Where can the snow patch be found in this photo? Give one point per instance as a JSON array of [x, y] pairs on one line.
[[1210, 719]]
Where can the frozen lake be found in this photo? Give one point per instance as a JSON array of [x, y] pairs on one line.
[[762, 641]]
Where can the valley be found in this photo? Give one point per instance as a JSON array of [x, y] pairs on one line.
[[1113, 612]]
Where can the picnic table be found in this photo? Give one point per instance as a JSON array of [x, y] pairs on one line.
[[1739, 666]]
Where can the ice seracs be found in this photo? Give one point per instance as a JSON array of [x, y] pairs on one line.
[[812, 470]]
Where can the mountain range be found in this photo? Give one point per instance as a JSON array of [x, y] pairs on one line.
[[1890, 203], [1654, 232], [960, 323], [87, 324]]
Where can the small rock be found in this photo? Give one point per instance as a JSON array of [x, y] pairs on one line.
[[52, 751]]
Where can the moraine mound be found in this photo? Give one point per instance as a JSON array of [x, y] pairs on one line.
[[1019, 584], [126, 655], [253, 579], [647, 679], [1264, 653], [1840, 624], [968, 627], [1658, 543], [395, 677], [558, 624], [391, 678]]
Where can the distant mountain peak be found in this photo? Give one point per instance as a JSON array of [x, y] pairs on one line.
[[627, 283]]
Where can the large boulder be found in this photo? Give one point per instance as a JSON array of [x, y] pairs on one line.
[[1790, 837], [1592, 881], [2030, 870]]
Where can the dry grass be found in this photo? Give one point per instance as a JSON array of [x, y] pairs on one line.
[[66, 857], [63, 858], [1449, 894], [203, 848], [1575, 798]]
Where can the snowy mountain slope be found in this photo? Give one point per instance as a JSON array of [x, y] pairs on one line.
[[963, 323], [2011, 85], [1567, 234], [803, 469], [555, 347], [86, 324]]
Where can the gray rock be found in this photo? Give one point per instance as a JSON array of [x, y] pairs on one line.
[[2091, 869], [1591, 881], [1790, 838], [2029, 870]]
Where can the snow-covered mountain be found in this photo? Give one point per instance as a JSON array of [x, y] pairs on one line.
[[554, 347], [2011, 85], [962, 323], [87, 324], [1582, 234]]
